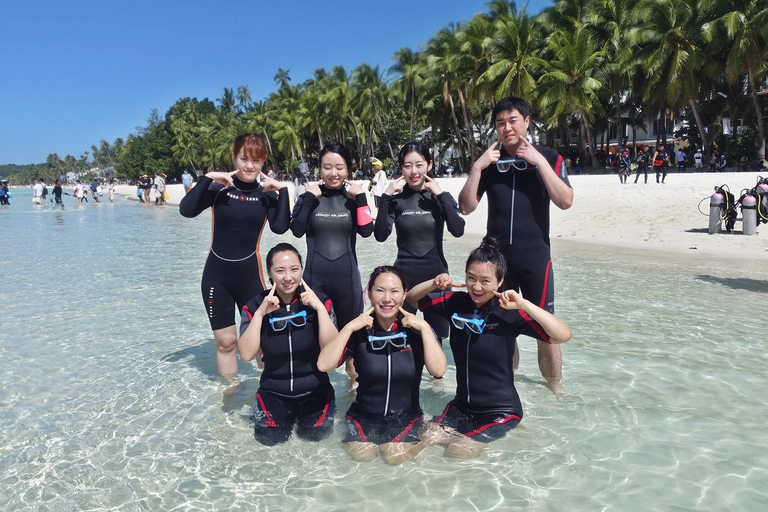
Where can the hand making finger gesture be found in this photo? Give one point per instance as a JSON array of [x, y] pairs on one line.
[[270, 184], [353, 189], [363, 321], [528, 152], [223, 178], [270, 304], [309, 298], [490, 157], [510, 299], [432, 186], [395, 187], [412, 321], [315, 189], [444, 281]]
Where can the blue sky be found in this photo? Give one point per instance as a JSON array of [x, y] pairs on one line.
[[74, 73]]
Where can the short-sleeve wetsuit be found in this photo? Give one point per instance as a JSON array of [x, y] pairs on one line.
[[486, 405], [386, 408], [518, 216], [232, 274], [420, 217], [332, 223], [292, 390]]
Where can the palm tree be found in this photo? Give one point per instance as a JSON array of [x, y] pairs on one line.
[[407, 64], [371, 100], [282, 78], [227, 101], [745, 23], [571, 81], [244, 98]]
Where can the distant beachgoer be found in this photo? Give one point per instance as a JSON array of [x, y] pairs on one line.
[[624, 165], [289, 325], [57, 192], [186, 181], [722, 164], [44, 192], [240, 207], [111, 191], [642, 164], [390, 347], [159, 186], [146, 186], [713, 162], [660, 160], [486, 324], [299, 184], [698, 159], [379, 182], [95, 190], [37, 191], [681, 160], [79, 192]]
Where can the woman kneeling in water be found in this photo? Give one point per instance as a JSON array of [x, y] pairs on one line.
[[391, 348], [289, 324], [485, 324]]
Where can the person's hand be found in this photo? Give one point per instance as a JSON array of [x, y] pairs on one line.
[[432, 186], [527, 152], [309, 298], [510, 299], [395, 187], [223, 178], [354, 189], [270, 304], [364, 321], [315, 189], [412, 321], [490, 157], [444, 281], [271, 184]]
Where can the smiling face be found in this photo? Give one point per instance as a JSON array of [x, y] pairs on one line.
[[285, 273], [387, 295], [333, 170], [415, 169], [511, 127], [248, 168], [482, 282]]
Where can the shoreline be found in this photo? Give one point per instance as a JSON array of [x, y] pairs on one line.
[[653, 220]]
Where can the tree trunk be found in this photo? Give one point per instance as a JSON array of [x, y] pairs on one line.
[[463, 158], [592, 151], [582, 144], [468, 124], [413, 107], [758, 113], [699, 125]]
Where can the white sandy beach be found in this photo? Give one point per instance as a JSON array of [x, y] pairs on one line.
[[655, 217]]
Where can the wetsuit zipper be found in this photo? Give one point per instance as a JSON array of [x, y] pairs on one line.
[[512, 208], [290, 347], [389, 380]]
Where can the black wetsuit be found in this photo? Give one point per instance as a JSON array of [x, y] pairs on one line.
[[232, 273], [386, 408], [331, 223], [420, 217], [57, 191], [518, 216], [292, 389], [642, 166], [485, 379]]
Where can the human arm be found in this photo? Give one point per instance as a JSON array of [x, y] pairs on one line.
[[330, 355], [434, 357], [249, 343], [385, 218], [200, 198], [278, 209], [362, 212], [421, 290], [469, 197], [326, 330], [555, 328], [557, 188], [453, 221], [302, 213]]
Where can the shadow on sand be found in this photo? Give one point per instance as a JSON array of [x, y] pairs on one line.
[[737, 283]]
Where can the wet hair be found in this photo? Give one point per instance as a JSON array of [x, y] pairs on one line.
[[340, 149], [414, 146], [386, 269], [281, 247], [509, 104], [252, 145], [488, 252]]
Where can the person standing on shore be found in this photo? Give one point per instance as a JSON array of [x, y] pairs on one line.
[[680, 160], [521, 180], [642, 164], [660, 162], [240, 208], [379, 182], [111, 191], [186, 180], [698, 160]]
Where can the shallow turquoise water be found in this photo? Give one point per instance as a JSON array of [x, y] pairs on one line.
[[111, 402]]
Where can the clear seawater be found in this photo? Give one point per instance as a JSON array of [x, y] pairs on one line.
[[110, 399]]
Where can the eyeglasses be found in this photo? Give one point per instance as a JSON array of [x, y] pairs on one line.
[[505, 164], [399, 340], [281, 322], [475, 325]]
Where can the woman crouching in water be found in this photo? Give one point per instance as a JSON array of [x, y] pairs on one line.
[[485, 324], [289, 324], [391, 348]]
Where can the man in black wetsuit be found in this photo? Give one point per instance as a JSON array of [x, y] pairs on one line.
[[519, 193]]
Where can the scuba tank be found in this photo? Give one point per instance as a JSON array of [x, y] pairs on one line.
[[761, 194], [715, 205], [748, 213]]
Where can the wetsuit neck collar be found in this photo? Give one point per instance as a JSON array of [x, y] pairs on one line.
[[378, 328], [242, 185], [328, 192]]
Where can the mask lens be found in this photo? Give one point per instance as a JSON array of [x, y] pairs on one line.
[[278, 324], [503, 165], [520, 164]]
